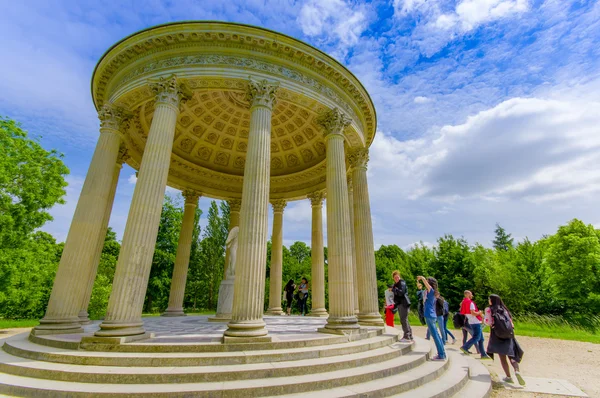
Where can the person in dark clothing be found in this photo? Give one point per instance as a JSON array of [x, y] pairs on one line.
[[420, 303], [507, 348], [402, 304], [289, 293]]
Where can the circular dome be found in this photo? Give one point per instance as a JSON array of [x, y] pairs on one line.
[[215, 60]]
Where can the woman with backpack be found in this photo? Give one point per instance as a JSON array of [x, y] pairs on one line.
[[502, 337], [431, 287]]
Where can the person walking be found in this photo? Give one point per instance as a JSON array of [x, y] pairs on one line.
[[402, 303], [431, 287], [302, 296], [473, 315], [445, 316], [389, 306], [439, 312], [420, 303], [289, 294], [502, 338]]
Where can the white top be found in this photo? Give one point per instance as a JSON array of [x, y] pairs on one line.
[[472, 318], [389, 298]]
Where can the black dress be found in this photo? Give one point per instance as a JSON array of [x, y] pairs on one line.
[[509, 347]]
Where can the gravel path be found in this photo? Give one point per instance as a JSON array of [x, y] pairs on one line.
[[577, 362]]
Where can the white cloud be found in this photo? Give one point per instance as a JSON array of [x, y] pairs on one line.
[[335, 23], [421, 100]]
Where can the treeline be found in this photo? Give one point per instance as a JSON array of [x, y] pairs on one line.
[[556, 275]]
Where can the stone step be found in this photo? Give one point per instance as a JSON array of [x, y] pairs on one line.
[[447, 385], [410, 370], [193, 374], [480, 381], [21, 347], [183, 344]]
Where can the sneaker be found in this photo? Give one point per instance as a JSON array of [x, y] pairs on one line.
[[465, 351], [453, 341], [520, 378], [438, 358], [405, 340], [485, 357], [508, 380]]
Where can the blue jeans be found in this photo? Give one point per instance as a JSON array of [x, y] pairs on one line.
[[446, 328], [476, 339], [439, 344], [441, 326]]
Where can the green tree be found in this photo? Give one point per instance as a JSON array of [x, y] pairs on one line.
[[573, 256], [31, 182], [159, 282], [502, 241], [104, 277]]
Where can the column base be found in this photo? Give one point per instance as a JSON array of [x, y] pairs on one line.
[[246, 329], [341, 325], [173, 312], [275, 311], [57, 326], [373, 319], [220, 318], [320, 312], [242, 340], [95, 343], [120, 329], [84, 318]]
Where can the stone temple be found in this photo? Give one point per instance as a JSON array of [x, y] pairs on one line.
[[254, 117]]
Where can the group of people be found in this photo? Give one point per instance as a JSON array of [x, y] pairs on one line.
[[300, 295], [434, 312]]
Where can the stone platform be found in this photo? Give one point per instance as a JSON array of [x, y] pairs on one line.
[[186, 359]]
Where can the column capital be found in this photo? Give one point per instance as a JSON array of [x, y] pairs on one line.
[[123, 154], [278, 205], [359, 158], [191, 197], [169, 91], [261, 93], [113, 117], [316, 198], [333, 122], [235, 205]]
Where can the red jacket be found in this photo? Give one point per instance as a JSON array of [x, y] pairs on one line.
[[465, 308]]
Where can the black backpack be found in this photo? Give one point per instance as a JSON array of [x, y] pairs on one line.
[[458, 320], [502, 326]]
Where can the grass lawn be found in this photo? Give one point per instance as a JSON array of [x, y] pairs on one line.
[[21, 323]]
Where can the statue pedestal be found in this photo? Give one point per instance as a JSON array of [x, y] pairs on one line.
[[225, 302]]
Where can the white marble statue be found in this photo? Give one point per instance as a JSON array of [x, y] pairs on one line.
[[232, 243]]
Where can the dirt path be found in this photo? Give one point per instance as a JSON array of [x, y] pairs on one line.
[[577, 362]]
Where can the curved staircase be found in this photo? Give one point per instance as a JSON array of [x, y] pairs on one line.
[[367, 365]]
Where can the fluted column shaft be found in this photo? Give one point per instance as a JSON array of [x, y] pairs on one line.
[[83, 313], [339, 245], [317, 256], [124, 314], [76, 263], [182, 258], [353, 240], [276, 259], [234, 221], [250, 270], [365, 251]]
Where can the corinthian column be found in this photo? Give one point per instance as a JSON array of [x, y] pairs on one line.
[[339, 241], [182, 258], [276, 258], [365, 251], [353, 241], [87, 228], [317, 256], [124, 314], [246, 317], [83, 313]]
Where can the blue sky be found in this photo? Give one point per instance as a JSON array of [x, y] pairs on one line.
[[488, 110]]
